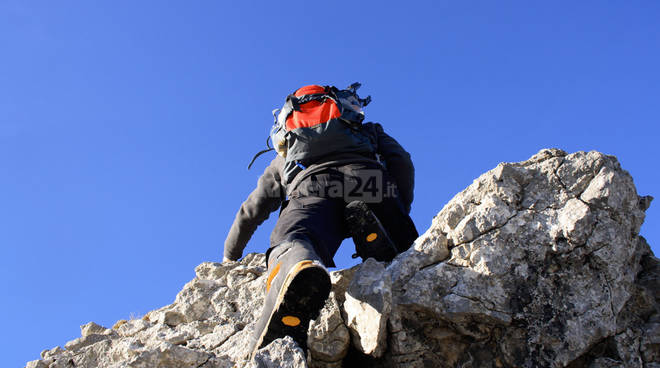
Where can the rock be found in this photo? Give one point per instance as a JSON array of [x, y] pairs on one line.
[[46, 354], [430, 248], [36, 364], [543, 254], [536, 264], [192, 302], [211, 271], [218, 337], [650, 343], [93, 355], [281, 353], [172, 318], [85, 341], [169, 355], [340, 281], [132, 327], [367, 307], [179, 335], [92, 328], [328, 339]]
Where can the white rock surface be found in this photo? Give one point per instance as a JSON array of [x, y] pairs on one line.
[[281, 353], [367, 307]]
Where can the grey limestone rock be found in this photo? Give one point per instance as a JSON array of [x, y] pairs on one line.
[[92, 328], [542, 260], [132, 327], [367, 306], [36, 364], [85, 341], [536, 264], [281, 353], [328, 337]]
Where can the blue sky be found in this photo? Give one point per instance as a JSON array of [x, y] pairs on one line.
[[126, 127]]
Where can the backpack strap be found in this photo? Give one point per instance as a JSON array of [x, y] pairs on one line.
[[297, 101], [261, 152], [372, 134], [293, 102]]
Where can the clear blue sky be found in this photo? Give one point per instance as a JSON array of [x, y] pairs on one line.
[[126, 127]]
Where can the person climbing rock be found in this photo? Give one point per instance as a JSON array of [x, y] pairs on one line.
[[334, 177]]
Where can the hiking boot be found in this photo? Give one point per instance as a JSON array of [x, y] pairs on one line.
[[296, 289], [370, 238]]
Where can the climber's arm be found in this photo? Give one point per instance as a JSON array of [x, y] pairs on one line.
[[266, 198], [399, 165]]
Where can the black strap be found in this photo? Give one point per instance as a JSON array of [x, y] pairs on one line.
[[261, 152], [297, 101]]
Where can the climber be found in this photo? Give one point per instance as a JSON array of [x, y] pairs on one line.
[[342, 179]]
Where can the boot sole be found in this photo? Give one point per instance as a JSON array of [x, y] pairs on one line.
[[363, 225], [301, 298]]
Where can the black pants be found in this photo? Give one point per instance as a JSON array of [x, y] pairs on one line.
[[314, 213]]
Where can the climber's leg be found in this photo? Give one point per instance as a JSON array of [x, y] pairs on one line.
[[315, 220], [308, 233], [396, 221], [381, 229], [370, 237], [296, 289]]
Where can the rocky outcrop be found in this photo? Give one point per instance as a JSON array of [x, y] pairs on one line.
[[536, 264], [543, 258]]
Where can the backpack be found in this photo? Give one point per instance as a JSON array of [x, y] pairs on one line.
[[317, 122]]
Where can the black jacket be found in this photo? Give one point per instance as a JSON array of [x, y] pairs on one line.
[[271, 190]]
